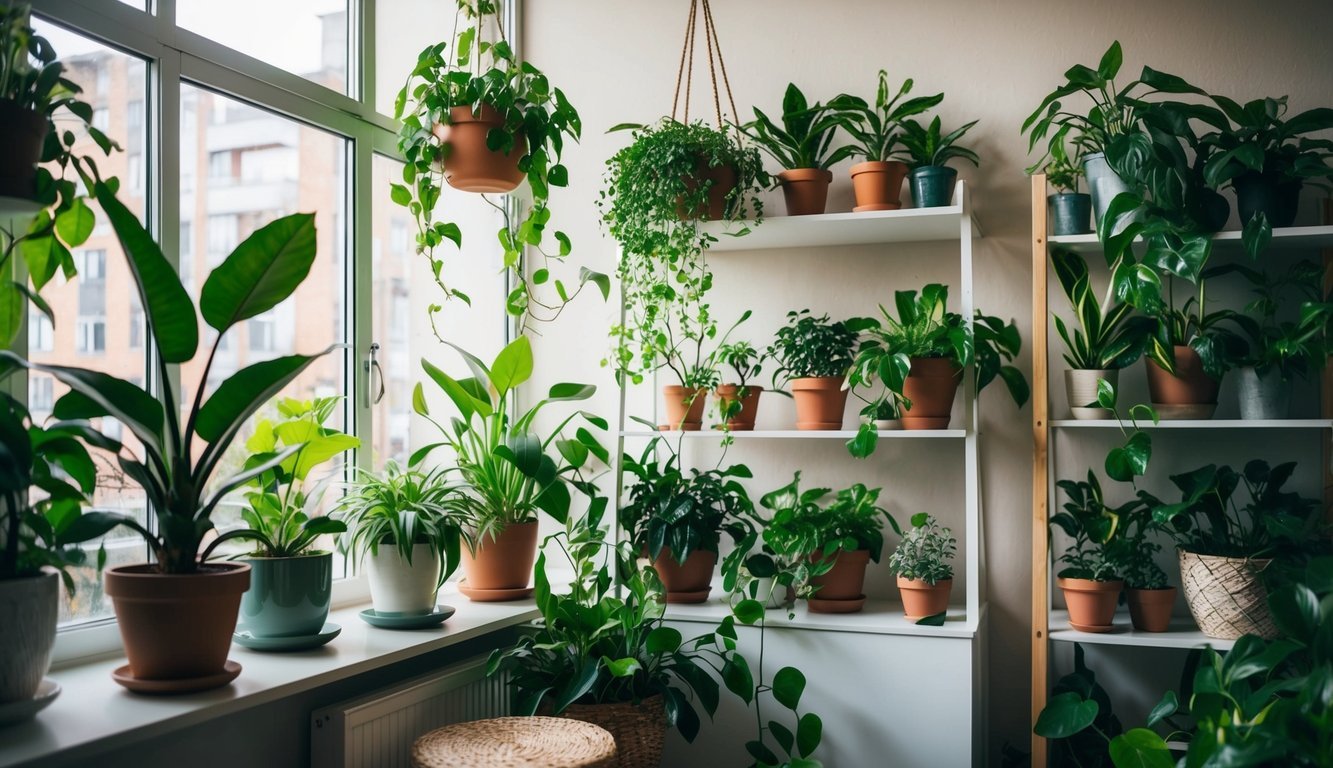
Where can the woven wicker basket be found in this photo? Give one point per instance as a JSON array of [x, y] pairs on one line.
[[516, 742], [639, 729], [1225, 595]]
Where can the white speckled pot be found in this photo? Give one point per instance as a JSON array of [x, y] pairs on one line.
[[28, 610]]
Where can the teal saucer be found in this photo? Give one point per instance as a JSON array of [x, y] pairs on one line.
[[246, 639], [407, 621]]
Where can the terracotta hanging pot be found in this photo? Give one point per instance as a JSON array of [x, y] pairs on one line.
[[805, 190], [470, 165], [684, 408], [878, 185], [931, 386], [1150, 609], [721, 180], [1091, 603], [845, 580], [177, 626], [22, 134], [921, 599], [1188, 394], [743, 420], [688, 582], [503, 563], [820, 402]]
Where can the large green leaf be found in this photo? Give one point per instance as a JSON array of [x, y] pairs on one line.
[[13, 306], [512, 366], [1065, 715], [1140, 748], [788, 685], [261, 273], [96, 394]]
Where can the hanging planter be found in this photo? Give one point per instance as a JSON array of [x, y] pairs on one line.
[[469, 164], [719, 185]]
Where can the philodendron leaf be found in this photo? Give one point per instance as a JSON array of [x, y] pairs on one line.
[[1065, 715], [261, 273], [1140, 748], [788, 685], [512, 366], [933, 620], [1125, 463], [809, 732]]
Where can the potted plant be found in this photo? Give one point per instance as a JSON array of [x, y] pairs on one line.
[[802, 147], [403, 525], [1188, 353], [738, 403], [875, 131], [921, 563], [676, 519], [1070, 211], [831, 541], [1147, 590], [887, 414], [1090, 580], [177, 614], [1109, 335], [928, 149], [291, 582], [814, 355]]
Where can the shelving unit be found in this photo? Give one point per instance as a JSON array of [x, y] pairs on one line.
[[1050, 625], [806, 434]]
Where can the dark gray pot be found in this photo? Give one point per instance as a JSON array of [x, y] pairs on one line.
[[1262, 398], [1070, 213], [289, 596], [932, 186]]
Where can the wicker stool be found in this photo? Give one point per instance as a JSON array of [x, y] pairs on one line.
[[516, 742]]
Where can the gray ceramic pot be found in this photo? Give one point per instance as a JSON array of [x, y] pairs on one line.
[[28, 610], [289, 596], [1263, 397], [1103, 184]]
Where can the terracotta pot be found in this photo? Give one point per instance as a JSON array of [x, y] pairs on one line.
[[1150, 609], [1190, 393], [931, 386], [687, 582], [684, 408], [503, 562], [820, 402], [742, 421], [29, 607], [721, 180], [878, 185], [846, 579], [177, 627], [805, 190], [921, 599], [1091, 603], [22, 134], [470, 165]]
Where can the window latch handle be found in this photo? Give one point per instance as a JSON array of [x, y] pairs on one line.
[[372, 367]]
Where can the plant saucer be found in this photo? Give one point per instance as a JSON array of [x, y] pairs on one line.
[[248, 639], [687, 598], [1097, 628], [1181, 412], [493, 595], [852, 605], [26, 709], [125, 677], [386, 620]]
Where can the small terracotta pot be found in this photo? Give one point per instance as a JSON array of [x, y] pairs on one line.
[[1091, 603], [684, 408], [805, 190], [846, 580], [931, 386], [22, 134], [878, 185], [1150, 609], [504, 562], [742, 421], [1190, 386], [470, 165], [721, 180], [921, 599], [687, 582], [177, 627], [820, 402]]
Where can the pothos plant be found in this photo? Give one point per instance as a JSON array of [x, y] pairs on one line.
[[470, 71]]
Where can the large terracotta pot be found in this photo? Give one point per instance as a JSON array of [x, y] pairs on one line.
[[820, 402], [721, 180], [288, 596], [28, 610], [743, 420], [688, 582], [470, 165], [22, 134], [846, 579], [921, 599], [1091, 603], [1189, 394], [805, 190], [177, 627], [504, 562], [684, 408], [1150, 609], [931, 386], [878, 185], [403, 588]]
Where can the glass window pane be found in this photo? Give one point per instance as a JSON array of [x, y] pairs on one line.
[[92, 329], [403, 29], [393, 257], [304, 37]]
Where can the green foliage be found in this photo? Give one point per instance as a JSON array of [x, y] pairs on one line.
[[809, 346], [1092, 525], [1136, 550], [1258, 137], [1109, 335], [1078, 719], [401, 509], [1290, 348], [807, 528], [1063, 171], [805, 138], [876, 129], [928, 145], [925, 551], [743, 359], [1130, 460]]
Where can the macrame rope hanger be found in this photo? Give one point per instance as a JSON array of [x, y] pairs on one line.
[[716, 64]]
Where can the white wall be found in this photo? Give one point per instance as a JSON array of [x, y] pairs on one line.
[[994, 61]]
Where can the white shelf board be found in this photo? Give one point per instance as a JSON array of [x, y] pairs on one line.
[[1198, 424], [797, 434], [1290, 238], [879, 617], [909, 225], [1182, 634]]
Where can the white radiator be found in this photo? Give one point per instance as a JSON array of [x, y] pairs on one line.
[[377, 731]]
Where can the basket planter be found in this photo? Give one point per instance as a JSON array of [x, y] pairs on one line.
[[743, 420], [684, 408], [639, 729], [1070, 213], [805, 190], [921, 599], [931, 386], [878, 185], [1225, 595], [1150, 609], [28, 611], [1189, 393], [470, 165], [400, 587], [22, 134], [688, 582], [1081, 388], [1091, 603], [721, 180], [288, 596], [504, 562], [820, 402]]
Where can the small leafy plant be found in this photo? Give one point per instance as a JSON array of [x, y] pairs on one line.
[[400, 509], [1062, 171], [1293, 349], [1109, 334], [925, 551], [876, 130], [1092, 526], [809, 346], [927, 145], [805, 138], [1261, 139], [743, 360]]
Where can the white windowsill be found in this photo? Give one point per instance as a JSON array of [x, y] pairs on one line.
[[93, 713]]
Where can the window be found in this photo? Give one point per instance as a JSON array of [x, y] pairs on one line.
[[41, 335], [304, 37], [263, 334], [101, 119], [90, 335], [41, 396], [222, 236], [136, 324], [91, 265], [219, 166]]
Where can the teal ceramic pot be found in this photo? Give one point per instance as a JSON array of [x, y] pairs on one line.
[[932, 186], [1274, 197], [1070, 213], [289, 596]]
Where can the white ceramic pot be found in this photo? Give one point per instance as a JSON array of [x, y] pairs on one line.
[[28, 610], [1081, 386], [1262, 397], [402, 588], [888, 424]]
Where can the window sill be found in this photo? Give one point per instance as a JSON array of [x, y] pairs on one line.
[[93, 713]]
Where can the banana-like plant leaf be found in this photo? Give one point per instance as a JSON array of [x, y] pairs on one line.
[[263, 271]]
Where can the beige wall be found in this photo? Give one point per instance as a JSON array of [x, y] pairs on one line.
[[994, 61]]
